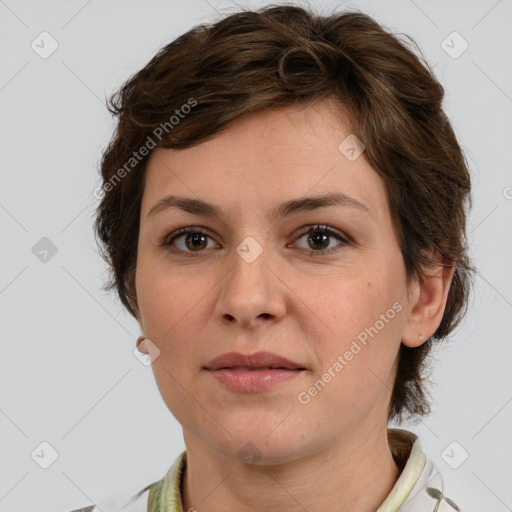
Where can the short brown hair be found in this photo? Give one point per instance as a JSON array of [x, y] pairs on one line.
[[280, 55]]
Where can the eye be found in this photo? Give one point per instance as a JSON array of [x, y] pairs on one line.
[[194, 240], [318, 238], [190, 239]]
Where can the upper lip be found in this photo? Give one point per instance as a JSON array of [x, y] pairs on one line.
[[257, 360]]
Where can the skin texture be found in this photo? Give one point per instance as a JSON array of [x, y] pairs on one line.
[[300, 299]]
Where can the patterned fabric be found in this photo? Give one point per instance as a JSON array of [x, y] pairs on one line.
[[419, 487]]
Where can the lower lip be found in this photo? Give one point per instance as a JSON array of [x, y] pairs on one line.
[[253, 381]]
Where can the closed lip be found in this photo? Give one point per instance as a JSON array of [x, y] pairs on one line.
[[252, 361]]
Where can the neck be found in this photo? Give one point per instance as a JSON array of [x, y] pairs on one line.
[[355, 475]]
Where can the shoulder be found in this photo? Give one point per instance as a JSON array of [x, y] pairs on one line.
[[150, 498]]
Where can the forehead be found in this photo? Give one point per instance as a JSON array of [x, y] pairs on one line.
[[269, 156]]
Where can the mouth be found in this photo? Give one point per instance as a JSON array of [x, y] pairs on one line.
[[236, 361], [253, 373], [244, 379], [253, 369]]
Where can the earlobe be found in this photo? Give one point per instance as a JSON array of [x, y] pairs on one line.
[[141, 346], [428, 302]]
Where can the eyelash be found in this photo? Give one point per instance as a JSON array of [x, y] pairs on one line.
[[169, 239]]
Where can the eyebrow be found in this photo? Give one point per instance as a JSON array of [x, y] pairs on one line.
[[200, 207]]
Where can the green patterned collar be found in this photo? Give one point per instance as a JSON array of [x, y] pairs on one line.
[[165, 495]]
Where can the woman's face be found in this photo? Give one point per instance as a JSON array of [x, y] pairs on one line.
[[260, 276]]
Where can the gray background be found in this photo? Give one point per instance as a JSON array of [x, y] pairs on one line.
[[68, 375]]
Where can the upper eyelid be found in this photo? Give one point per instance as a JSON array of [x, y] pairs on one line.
[[184, 231], [324, 227]]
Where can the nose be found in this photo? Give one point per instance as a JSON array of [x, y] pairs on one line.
[[251, 293]]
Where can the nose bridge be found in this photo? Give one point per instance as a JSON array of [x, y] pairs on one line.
[[250, 291]]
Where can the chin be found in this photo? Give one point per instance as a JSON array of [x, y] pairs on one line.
[[259, 446]]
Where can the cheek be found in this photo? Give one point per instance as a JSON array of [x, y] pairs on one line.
[[364, 314], [169, 309], [164, 299], [174, 311], [348, 304]]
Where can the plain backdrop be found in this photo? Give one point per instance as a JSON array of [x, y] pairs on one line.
[[68, 375]]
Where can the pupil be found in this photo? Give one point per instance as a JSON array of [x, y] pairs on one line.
[[318, 239], [196, 238]]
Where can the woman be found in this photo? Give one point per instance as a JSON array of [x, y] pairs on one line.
[[283, 211]]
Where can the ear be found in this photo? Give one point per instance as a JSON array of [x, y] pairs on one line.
[[427, 301], [141, 346]]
